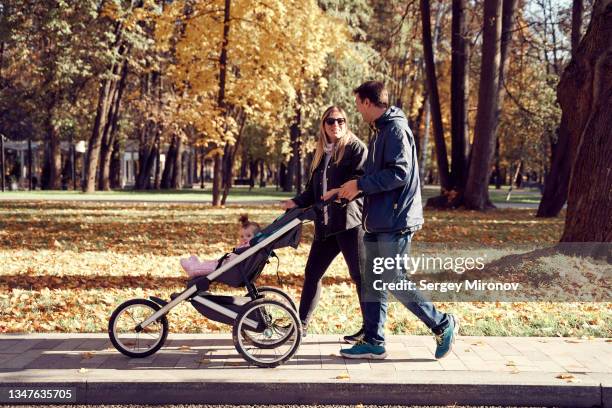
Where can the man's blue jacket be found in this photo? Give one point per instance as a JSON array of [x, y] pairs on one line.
[[391, 184]]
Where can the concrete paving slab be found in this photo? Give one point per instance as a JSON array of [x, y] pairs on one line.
[[207, 369]]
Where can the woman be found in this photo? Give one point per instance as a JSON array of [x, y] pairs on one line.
[[339, 157]]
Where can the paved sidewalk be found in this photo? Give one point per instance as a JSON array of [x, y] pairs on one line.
[[207, 369]]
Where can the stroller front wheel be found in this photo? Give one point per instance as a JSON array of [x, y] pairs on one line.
[[122, 328]]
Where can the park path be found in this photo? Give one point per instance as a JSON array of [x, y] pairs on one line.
[[207, 369]]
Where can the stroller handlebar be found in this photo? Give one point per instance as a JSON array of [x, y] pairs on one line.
[[330, 200]]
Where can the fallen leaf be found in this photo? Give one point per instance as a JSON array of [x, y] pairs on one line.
[[565, 376], [343, 376], [573, 341], [184, 348], [87, 355], [511, 364]]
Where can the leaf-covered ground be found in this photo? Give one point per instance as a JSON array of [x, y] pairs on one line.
[[64, 266]]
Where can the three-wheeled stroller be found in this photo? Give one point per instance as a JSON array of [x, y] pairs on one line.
[[266, 328]]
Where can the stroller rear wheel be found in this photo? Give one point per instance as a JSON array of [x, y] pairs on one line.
[[122, 328], [267, 332], [270, 292]]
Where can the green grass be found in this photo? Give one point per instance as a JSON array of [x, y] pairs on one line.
[[523, 196], [237, 195]]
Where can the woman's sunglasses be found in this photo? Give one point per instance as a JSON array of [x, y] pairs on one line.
[[331, 121]]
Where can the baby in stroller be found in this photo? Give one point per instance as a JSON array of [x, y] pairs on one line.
[[194, 267]]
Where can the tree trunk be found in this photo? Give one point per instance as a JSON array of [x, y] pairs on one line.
[[416, 128], [225, 174], [110, 132], [244, 165], [146, 155], [459, 96], [497, 171], [509, 8], [556, 184], [2, 46], [262, 174], [577, 9], [295, 163], [157, 177], [434, 98], [283, 178], [115, 166], [177, 171], [202, 166], [104, 105], [508, 11], [229, 165], [585, 96], [168, 174], [216, 187], [424, 159], [53, 159], [223, 57], [253, 173], [477, 186]]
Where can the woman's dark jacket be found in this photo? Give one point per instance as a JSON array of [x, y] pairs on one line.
[[340, 218]]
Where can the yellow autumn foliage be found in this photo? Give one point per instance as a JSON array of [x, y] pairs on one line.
[[274, 50]]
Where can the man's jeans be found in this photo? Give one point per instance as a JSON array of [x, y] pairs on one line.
[[389, 245]]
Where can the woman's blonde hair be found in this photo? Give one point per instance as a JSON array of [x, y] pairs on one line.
[[322, 139]]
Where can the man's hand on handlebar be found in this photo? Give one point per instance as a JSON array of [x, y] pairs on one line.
[[347, 191], [330, 194]]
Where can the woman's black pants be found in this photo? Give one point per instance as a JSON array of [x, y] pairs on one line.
[[322, 253]]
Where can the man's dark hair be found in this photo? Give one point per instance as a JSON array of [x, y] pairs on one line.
[[375, 91]]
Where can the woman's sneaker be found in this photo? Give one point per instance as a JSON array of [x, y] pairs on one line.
[[446, 339], [364, 350], [354, 338]]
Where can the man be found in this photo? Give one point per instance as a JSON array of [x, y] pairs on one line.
[[392, 213]]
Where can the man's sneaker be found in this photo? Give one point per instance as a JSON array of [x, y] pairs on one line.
[[446, 339], [364, 350], [354, 338]]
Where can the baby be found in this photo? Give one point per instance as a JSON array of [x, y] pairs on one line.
[[194, 267]]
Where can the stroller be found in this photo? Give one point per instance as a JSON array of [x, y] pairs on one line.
[[266, 328]]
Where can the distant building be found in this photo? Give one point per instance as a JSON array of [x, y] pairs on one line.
[[16, 153]]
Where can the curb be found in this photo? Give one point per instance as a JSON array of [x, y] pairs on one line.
[[326, 393]]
